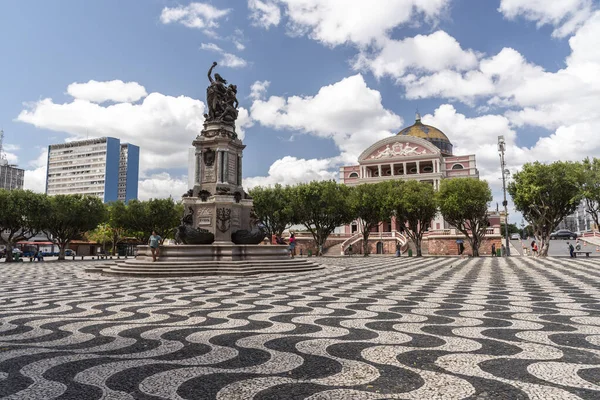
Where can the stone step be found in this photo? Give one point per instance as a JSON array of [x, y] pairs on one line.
[[116, 270]]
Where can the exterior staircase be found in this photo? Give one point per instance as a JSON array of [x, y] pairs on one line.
[[400, 238]]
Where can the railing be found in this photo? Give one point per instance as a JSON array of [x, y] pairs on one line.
[[376, 235]]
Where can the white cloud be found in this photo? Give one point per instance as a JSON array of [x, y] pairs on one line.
[[228, 59], [244, 121], [334, 22], [163, 185], [565, 15], [434, 52], [259, 89], [264, 13], [163, 126], [291, 170], [99, 92], [348, 112], [35, 177], [239, 45], [195, 15]]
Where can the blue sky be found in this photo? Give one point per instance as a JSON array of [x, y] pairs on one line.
[[330, 77]]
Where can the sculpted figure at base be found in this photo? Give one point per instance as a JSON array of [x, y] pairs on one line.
[[187, 234], [243, 236]]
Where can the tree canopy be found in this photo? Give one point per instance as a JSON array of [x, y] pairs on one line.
[[320, 206], [545, 194], [69, 217], [22, 215], [464, 203], [415, 207], [371, 203], [272, 208], [160, 215]]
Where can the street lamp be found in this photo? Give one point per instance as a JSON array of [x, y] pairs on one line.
[[505, 173]]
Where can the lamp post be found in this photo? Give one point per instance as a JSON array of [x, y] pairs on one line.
[[501, 149]]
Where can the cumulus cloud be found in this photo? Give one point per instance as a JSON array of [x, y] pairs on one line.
[[227, 59], [195, 15], [264, 13], [334, 22], [565, 15], [163, 185], [291, 170], [99, 92], [258, 89], [435, 52], [348, 112], [35, 175]]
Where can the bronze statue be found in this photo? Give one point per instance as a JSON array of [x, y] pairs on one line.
[[221, 99]]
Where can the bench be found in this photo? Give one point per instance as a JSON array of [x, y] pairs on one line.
[[587, 253]]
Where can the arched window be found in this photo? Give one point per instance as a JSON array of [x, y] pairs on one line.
[[353, 175], [457, 166]]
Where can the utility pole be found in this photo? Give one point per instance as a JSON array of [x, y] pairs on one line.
[[501, 149]]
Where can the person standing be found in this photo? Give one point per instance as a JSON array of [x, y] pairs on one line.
[[534, 248], [398, 250], [292, 245], [154, 243], [493, 249], [461, 246], [571, 250]]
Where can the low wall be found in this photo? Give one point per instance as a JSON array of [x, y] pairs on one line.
[[446, 245]]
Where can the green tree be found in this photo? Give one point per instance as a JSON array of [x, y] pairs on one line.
[[590, 188], [102, 234], [370, 203], [545, 194], [272, 208], [320, 206], [71, 216], [117, 222], [464, 202], [415, 208], [512, 228], [22, 215], [160, 215]]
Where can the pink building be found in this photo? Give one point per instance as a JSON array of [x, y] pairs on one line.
[[418, 152]]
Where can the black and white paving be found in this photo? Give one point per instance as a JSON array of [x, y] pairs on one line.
[[376, 328]]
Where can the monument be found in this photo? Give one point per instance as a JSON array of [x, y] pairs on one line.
[[218, 234]]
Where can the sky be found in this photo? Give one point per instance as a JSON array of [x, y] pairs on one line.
[[318, 81]]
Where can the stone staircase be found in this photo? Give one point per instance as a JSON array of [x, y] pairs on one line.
[[335, 250], [146, 268]]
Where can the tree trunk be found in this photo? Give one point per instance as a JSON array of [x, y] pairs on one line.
[[544, 245], [366, 233], [9, 254], [418, 242], [61, 253], [475, 246]]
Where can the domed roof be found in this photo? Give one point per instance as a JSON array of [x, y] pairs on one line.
[[429, 133]]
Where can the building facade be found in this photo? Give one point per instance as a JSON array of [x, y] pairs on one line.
[[418, 152], [580, 221], [101, 167], [11, 177]]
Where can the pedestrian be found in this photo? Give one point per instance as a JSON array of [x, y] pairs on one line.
[[534, 248], [571, 250], [503, 251], [292, 246], [300, 253], [493, 249], [154, 243], [398, 250], [461, 246], [350, 250]]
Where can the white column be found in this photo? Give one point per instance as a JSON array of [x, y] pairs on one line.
[[405, 172], [379, 169], [418, 167], [392, 169]]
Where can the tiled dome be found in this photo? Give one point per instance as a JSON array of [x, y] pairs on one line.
[[429, 133]]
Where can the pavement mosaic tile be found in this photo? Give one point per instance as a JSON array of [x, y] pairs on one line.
[[375, 328]]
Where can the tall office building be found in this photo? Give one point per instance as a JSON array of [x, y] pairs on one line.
[[100, 167], [11, 177]]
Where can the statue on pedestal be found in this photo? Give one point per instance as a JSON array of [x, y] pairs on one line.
[[221, 100]]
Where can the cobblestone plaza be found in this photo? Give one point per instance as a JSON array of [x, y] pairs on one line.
[[376, 328]]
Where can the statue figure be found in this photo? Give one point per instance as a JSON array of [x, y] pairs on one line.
[[221, 99], [187, 234]]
